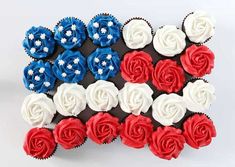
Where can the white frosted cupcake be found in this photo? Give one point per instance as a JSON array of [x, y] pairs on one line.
[[70, 99], [38, 109], [169, 41]]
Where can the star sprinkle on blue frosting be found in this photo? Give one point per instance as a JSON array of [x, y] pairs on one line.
[[39, 42], [104, 30], [70, 66], [104, 63], [38, 77], [70, 32]]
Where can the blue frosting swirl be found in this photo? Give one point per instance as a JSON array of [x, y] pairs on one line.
[[70, 32], [39, 42], [104, 63], [38, 77], [104, 30], [70, 66]]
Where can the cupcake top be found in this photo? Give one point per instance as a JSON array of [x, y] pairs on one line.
[[70, 66], [104, 63], [135, 98], [169, 41], [70, 99], [38, 109], [70, 32], [39, 42], [104, 30], [38, 77], [199, 26], [137, 33]]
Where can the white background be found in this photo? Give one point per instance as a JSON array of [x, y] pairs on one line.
[[17, 16]]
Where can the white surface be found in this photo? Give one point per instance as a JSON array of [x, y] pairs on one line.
[[17, 16]]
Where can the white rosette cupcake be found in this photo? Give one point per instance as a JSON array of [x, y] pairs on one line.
[[168, 109], [169, 41], [137, 33], [38, 110], [102, 95], [135, 98], [199, 26], [198, 95], [70, 99]]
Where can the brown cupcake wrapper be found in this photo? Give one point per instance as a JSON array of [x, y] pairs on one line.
[[193, 79]]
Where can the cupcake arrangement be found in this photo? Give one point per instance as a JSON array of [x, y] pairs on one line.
[[104, 80]]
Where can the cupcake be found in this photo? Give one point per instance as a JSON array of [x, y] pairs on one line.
[[137, 33], [38, 77], [198, 130], [102, 96], [40, 143], [169, 41], [70, 133], [136, 67], [70, 99], [104, 63], [38, 109], [103, 128], [70, 32], [168, 76], [197, 60], [199, 26], [104, 30], [198, 95], [168, 109], [135, 98], [70, 66], [136, 131]]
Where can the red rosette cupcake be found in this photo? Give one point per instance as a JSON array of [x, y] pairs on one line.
[[136, 67], [136, 131], [198, 60], [39, 143], [103, 128], [168, 76], [70, 133], [167, 142], [198, 130]]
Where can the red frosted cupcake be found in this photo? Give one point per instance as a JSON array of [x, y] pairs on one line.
[[136, 131], [198, 130], [198, 60], [70, 133], [168, 76], [167, 142], [136, 67], [103, 128], [39, 143]]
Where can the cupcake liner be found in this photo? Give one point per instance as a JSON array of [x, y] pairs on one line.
[[193, 79]]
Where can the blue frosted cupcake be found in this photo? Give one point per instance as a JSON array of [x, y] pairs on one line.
[[38, 77], [70, 66], [104, 30], [70, 33], [39, 42], [104, 63]]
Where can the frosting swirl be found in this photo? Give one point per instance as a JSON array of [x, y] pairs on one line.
[[199, 26], [38, 77], [70, 66], [38, 110], [70, 32], [70, 99], [137, 34], [39, 42], [136, 131], [169, 41], [102, 95], [168, 109], [136, 67], [135, 98], [198, 95]]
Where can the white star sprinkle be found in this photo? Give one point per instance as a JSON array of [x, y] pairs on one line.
[[73, 27], [69, 66], [75, 61], [30, 72], [32, 50], [109, 56], [96, 36], [100, 71], [37, 78], [60, 28], [111, 67], [61, 62], [43, 36], [109, 36], [64, 74], [68, 33], [31, 86], [47, 84], [38, 43], [110, 23], [63, 40], [104, 63], [41, 70], [74, 39], [96, 60], [95, 24], [103, 30], [31, 36], [45, 49], [77, 72]]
